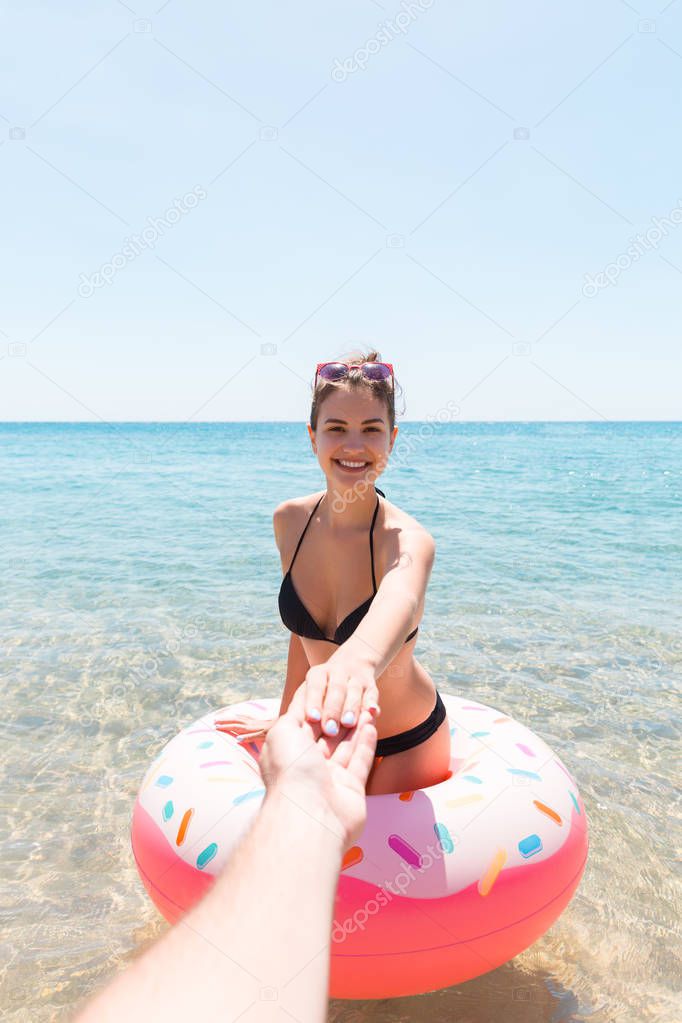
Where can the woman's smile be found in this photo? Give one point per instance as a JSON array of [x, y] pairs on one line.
[[352, 467]]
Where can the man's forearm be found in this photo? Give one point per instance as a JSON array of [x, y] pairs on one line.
[[251, 939]]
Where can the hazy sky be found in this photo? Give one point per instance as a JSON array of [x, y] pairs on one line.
[[471, 188]]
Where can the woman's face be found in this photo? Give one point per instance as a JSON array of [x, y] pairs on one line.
[[352, 426]]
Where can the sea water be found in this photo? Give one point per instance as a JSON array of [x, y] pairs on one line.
[[139, 591]]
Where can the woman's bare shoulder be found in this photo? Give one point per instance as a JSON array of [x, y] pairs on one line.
[[395, 519], [290, 513]]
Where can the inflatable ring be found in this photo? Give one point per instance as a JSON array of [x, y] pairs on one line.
[[444, 884]]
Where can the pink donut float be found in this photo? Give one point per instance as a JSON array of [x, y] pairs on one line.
[[444, 884]]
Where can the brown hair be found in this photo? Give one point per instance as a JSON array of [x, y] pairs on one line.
[[354, 382]]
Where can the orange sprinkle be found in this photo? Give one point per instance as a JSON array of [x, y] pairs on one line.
[[406, 796], [353, 856], [499, 721], [490, 876], [548, 810], [184, 824]]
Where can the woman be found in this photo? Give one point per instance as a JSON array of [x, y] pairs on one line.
[[355, 652]]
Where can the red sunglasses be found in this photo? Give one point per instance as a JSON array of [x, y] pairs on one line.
[[334, 371]]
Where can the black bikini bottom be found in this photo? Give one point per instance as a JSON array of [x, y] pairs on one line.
[[413, 736]]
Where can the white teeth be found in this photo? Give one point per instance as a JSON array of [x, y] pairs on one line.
[[352, 465]]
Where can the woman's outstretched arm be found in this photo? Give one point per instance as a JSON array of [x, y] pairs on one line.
[[346, 683]]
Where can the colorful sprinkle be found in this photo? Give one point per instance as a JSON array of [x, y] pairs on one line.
[[215, 763], [163, 781], [500, 721], [472, 777], [167, 811], [525, 749], [547, 810], [207, 855], [463, 801], [530, 845], [452, 731], [152, 771], [404, 849], [205, 745], [470, 707], [443, 836], [406, 796], [254, 794], [524, 774], [354, 856], [477, 735], [490, 876], [184, 824], [575, 801]]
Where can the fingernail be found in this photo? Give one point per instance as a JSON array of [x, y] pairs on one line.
[[314, 714], [331, 728], [373, 707], [348, 718]]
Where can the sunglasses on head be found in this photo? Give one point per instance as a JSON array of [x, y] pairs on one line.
[[334, 371]]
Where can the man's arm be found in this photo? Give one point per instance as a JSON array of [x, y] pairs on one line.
[[258, 944]]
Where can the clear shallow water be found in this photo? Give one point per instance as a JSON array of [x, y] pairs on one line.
[[140, 581]]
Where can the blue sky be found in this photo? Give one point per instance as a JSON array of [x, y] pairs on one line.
[[433, 179]]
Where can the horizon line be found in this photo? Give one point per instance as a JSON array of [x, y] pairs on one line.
[[300, 422]]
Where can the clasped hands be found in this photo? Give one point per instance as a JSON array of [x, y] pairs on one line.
[[335, 693]]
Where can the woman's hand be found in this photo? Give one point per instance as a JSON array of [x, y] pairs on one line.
[[245, 728], [337, 691]]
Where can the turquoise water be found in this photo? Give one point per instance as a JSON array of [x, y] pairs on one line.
[[140, 580]]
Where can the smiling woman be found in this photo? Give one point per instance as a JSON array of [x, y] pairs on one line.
[[355, 651]]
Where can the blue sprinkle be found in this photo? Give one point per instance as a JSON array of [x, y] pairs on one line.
[[248, 795], [168, 810], [472, 777], [205, 745], [575, 801], [477, 735], [443, 836], [452, 731], [163, 781], [207, 855], [530, 845], [525, 774]]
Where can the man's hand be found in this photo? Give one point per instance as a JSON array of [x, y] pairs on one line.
[[324, 775]]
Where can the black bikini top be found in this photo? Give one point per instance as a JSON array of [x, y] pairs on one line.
[[295, 614]]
